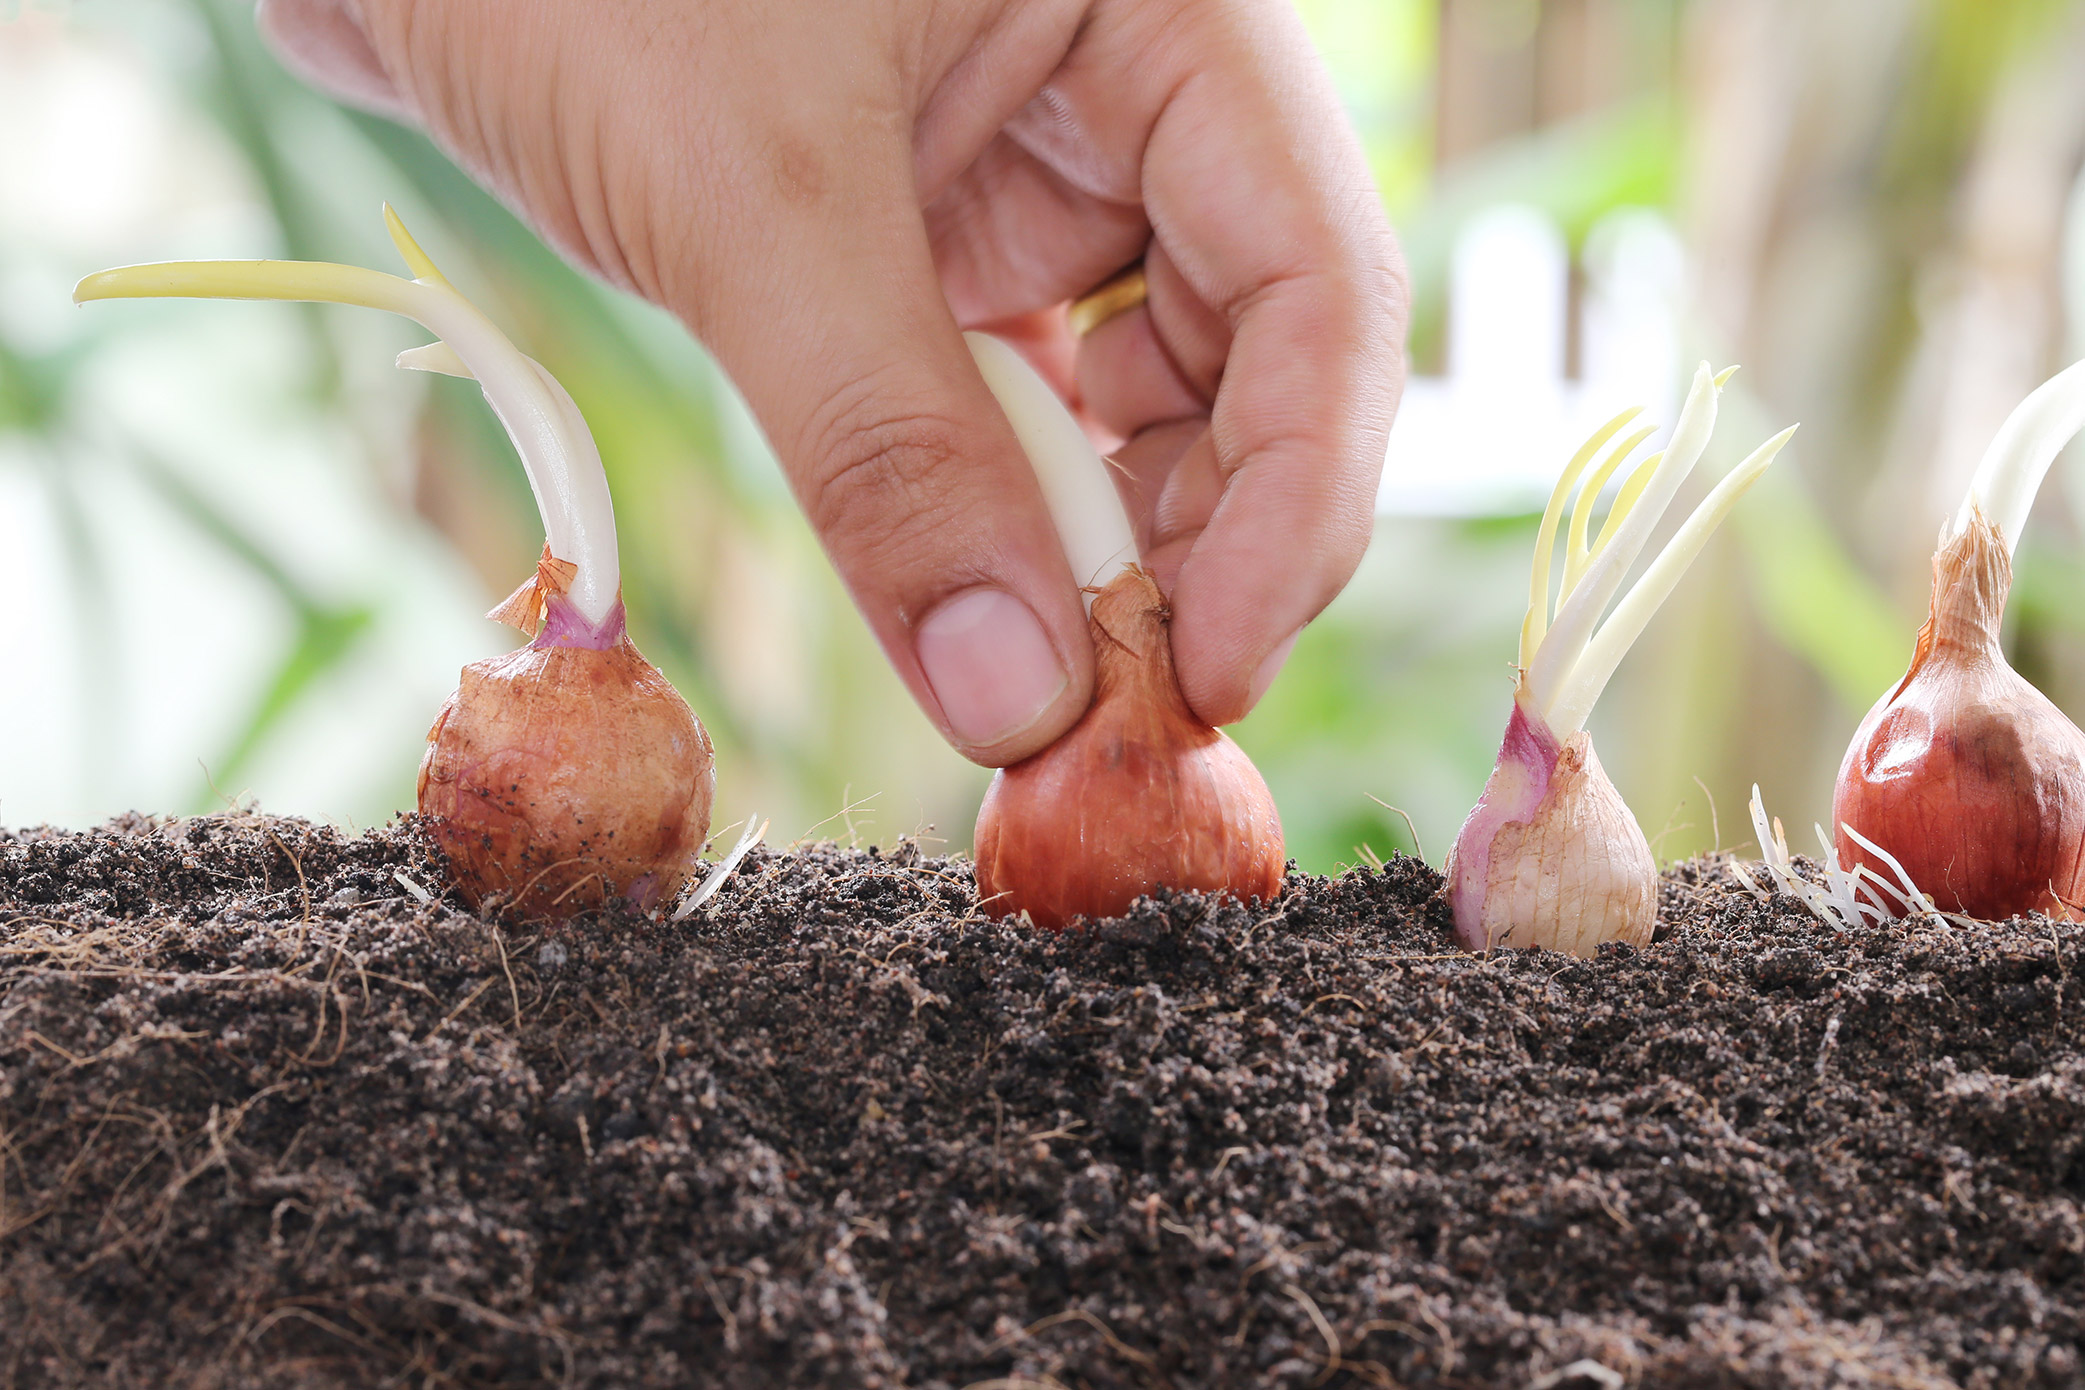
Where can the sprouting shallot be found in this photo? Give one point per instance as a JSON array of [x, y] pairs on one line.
[[1969, 776], [570, 772], [1551, 856]]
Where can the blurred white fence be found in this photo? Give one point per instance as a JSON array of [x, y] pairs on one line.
[[1489, 437]]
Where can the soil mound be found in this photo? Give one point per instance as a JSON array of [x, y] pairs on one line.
[[269, 1119]]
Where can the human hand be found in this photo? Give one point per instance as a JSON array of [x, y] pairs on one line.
[[827, 193]]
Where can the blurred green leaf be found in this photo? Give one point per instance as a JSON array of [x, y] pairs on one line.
[[2048, 585], [34, 386], [1815, 601], [247, 93], [195, 507], [327, 634], [325, 640]]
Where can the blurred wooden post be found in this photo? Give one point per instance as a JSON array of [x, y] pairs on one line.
[[1508, 67]]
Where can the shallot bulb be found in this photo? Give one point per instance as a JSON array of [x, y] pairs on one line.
[[1139, 794], [1963, 772], [570, 773], [1551, 856]]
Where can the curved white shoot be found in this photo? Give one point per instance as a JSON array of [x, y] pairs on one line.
[[1577, 554], [1076, 481], [2012, 469], [556, 448], [1580, 606], [1574, 701], [1536, 623], [1625, 498], [438, 357]]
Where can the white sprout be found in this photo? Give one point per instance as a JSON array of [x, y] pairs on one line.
[[557, 449], [715, 878], [1076, 481], [2012, 469], [1847, 898], [1565, 661]]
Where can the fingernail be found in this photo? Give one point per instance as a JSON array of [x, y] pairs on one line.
[[991, 665], [1271, 667]]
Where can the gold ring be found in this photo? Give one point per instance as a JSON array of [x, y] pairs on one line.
[[1118, 294]]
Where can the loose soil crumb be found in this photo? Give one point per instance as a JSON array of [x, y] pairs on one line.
[[268, 1119]]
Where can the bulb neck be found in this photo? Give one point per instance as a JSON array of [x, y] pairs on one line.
[[1529, 744], [1972, 575], [565, 626], [1133, 642], [1513, 794]]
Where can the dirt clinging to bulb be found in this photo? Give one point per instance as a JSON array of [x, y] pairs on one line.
[[268, 1119]]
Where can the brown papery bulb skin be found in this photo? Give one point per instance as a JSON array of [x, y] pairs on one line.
[[559, 778], [1139, 795], [1965, 772]]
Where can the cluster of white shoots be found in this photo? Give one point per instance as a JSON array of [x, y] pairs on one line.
[[1566, 660]]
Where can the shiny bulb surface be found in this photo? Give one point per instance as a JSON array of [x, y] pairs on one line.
[[1963, 771]]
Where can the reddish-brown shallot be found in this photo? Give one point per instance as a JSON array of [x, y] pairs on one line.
[[570, 773], [1139, 794], [1966, 775]]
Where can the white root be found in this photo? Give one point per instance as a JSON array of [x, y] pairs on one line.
[[714, 880], [1847, 898]]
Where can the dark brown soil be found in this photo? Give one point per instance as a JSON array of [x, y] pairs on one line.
[[267, 1119]]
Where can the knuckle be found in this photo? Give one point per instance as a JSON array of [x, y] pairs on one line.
[[879, 472], [1396, 279], [1386, 291]]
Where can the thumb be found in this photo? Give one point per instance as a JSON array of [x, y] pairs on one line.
[[904, 464]]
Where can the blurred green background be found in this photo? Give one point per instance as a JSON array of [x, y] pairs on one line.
[[247, 557]]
